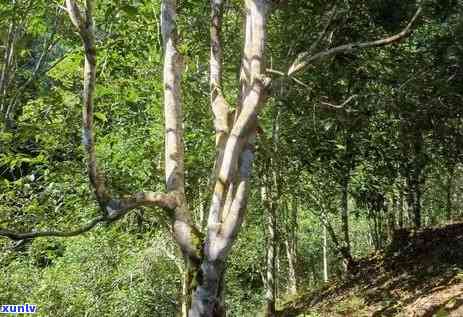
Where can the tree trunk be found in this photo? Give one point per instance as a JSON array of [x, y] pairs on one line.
[[345, 214], [450, 176], [235, 140], [414, 198], [401, 208], [325, 256], [348, 161], [270, 293], [342, 251], [292, 257], [207, 298], [391, 209], [291, 248]]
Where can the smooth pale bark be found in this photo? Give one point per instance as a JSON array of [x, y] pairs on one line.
[[84, 25], [234, 168], [325, 257], [185, 233], [292, 260]]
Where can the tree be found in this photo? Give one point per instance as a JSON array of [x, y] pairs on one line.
[[205, 253], [235, 135]]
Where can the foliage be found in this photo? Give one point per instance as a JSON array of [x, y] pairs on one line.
[[388, 120]]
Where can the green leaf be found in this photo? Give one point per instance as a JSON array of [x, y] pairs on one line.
[[101, 116]]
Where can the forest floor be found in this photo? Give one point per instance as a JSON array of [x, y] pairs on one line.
[[419, 274]]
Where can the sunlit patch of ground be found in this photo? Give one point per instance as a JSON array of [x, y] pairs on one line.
[[420, 275]]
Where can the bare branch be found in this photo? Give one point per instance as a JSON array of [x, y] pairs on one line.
[[331, 14], [115, 210], [87, 34], [118, 207], [274, 71], [75, 14], [341, 105], [220, 107], [31, 235], [305, 58]]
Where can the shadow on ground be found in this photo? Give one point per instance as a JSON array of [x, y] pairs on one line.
[[419, 275]]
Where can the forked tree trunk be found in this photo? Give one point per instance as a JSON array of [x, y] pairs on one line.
[[235, 153]]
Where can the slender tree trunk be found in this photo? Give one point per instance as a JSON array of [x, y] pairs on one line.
[[450, 177], [270, 293], [414, 198], [7, 59], [345, 214], [347, 257], [401, 208], [291, 255], [391, 209], [270, 200], [345, 194], [291, 249], [417, 206], [325, 256]]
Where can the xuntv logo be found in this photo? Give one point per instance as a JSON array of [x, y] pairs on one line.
[[18, 309]]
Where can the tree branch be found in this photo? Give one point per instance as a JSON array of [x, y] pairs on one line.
[[305, 58], [341, 105], [31, 235], [186, 234], [84, 25], [116, 209], [220, 106], [231, 188], [75, 14], [332, 13]]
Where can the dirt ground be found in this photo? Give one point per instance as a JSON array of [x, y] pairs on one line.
[[419, 275]]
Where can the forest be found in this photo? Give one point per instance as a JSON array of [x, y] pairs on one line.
[[231, 158]]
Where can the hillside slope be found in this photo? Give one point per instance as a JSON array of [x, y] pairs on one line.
[[420, 274]]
